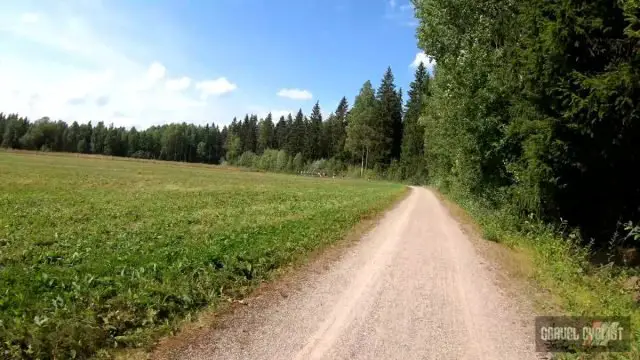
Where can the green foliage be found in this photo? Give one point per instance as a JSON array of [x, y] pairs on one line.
[[413, 131], [336, 131], [14, 127], [282, 160], [313, 139], [562, 267], [298, 163], [362, 136], [413, 167], [537, 101], [233, 147], [296, 135], [388, 121], [98, 253], [266, 134], [531, 124], [281, 132], [247, 159]]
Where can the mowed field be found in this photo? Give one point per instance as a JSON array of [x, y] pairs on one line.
[[97, 253]]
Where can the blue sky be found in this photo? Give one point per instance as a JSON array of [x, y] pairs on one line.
[[145, 62]]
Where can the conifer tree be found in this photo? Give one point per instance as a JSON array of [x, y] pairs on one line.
[[389, 117], [281, 131], [313, 138], [413, 131], [265, 134], [337, 130], [297, 132]]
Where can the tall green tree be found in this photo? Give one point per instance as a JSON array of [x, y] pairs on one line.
[[266, 134], [537, 101], [313, 139], [412, 155], [15, 127], [362, 131], [97, 138], [296, 136], [281, 132], [3, 121], [336, 132], [389, 116], [249, 133]]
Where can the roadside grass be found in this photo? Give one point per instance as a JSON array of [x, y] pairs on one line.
[[567, 283], [97, 253]]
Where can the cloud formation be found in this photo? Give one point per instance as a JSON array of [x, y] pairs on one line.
[[215, 87], [179, 84], [156, 71], [295, 94], [427, 60], [402, 14], [86, 69], [29, 18], [102, 100]]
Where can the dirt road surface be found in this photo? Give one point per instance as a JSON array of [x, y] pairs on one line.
[[412, 288]]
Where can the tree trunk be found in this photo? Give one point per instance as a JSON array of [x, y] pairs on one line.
[[362, 164], [366, 161]]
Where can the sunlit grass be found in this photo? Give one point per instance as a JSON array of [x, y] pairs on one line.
[[569, 283], [97, 253]]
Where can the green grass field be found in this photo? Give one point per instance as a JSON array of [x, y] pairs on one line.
[[97, 253]]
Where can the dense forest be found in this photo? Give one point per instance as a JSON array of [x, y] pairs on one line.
[[373, 139], [535, 106]]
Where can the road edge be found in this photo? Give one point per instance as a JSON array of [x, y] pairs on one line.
[[283, 281]]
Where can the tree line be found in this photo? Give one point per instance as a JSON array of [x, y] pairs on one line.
[[378, 132], [535, 106]]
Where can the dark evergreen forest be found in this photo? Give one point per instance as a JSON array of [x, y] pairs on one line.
[[535, 105]]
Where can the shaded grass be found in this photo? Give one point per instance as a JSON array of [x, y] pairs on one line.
[[97, 253], [567, 282]]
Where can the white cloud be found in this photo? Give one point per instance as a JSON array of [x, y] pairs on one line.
[[407, 7], [86, 70], [295, 94], [401, 12], [180, 84], [276, 114], [102, 100], [156, 71], [215, 87], [30, 18], [428, 61]]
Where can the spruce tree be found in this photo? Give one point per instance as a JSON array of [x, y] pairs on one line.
[[265, 134], [253, 133], [413, 131], [243, 134], [313, 138], [281, 132], [338, 130], [326, 136], [389, 116], [296, 137]]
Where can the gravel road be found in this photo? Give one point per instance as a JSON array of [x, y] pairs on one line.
[[412, 288]]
